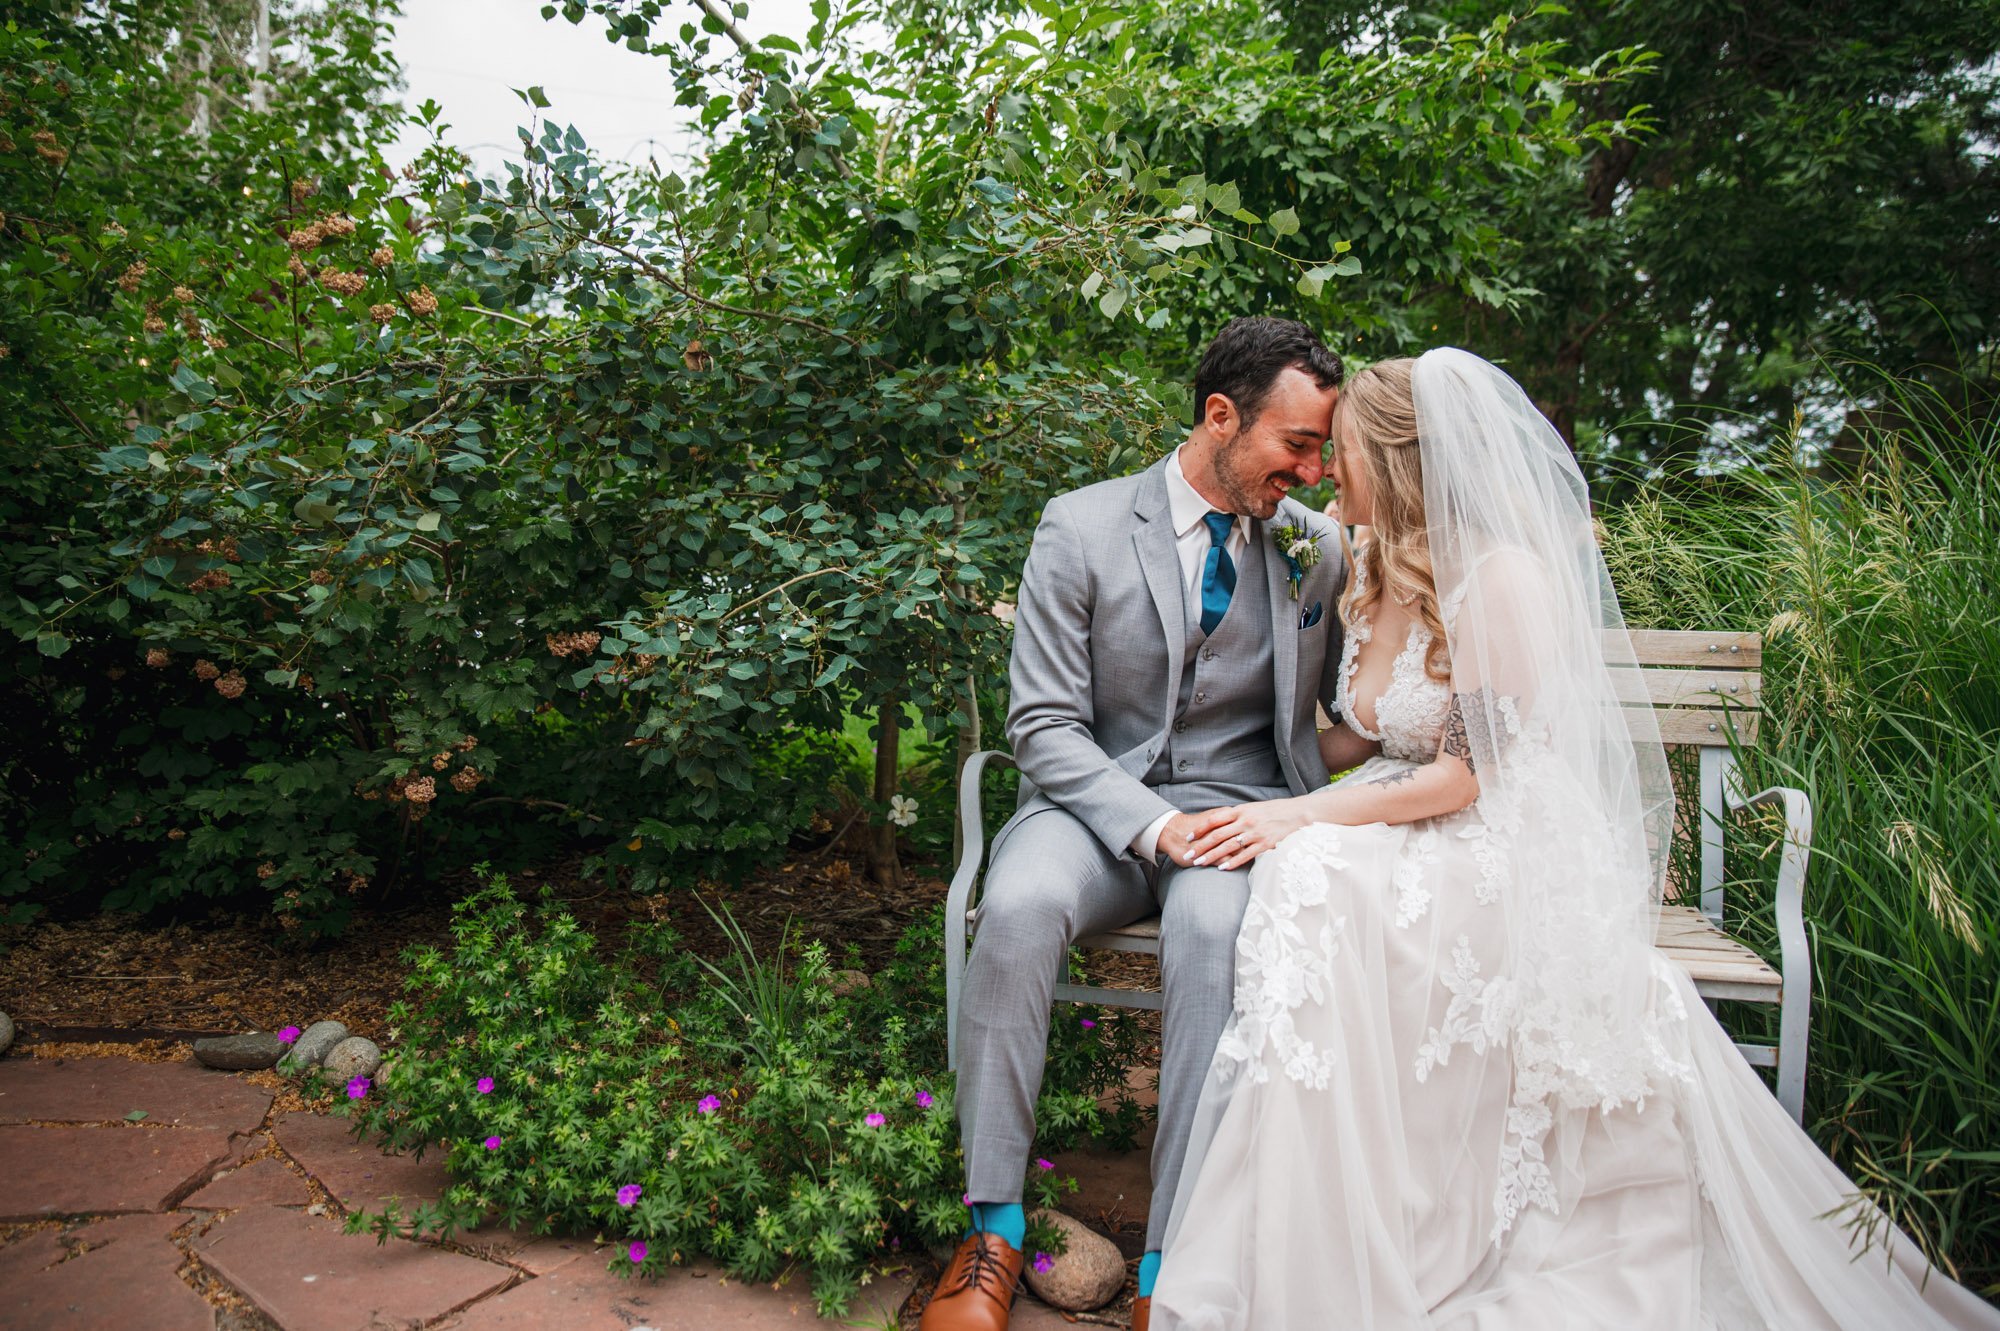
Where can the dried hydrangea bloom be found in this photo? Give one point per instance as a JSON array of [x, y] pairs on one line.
[[347, 284]]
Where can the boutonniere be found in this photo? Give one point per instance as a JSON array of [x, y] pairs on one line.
[[1301, 552]]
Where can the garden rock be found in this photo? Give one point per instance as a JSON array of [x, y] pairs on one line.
[[239, 1053], [1088, 1276], [317, 1042], [6, 1032], [356, 1056], [850, 982]]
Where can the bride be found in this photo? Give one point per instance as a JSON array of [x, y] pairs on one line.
[[1460, 1089]]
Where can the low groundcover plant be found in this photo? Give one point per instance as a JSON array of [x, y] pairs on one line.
[[630, 1100]]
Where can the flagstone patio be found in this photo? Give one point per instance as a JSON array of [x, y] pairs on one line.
[[166, 1196]]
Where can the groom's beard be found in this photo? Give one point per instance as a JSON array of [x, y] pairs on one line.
[[1252, 494]]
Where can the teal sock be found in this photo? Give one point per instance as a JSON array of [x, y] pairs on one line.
[[1149, 1271], [1006, 1219]]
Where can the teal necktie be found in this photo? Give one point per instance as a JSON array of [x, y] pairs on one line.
[[1218, 573]]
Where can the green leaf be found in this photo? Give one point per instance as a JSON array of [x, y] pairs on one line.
[[51, 643], [1285, 222], [429, 521], [1091, 285], [1225, 198], [1112, 302], [136, 1116]]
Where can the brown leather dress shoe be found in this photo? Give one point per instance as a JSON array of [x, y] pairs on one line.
[[1142, 1313], [978, 1288]]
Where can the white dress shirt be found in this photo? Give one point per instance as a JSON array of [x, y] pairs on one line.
[[1186, 509]]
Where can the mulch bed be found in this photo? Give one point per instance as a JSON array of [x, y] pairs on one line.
[[122, 979]]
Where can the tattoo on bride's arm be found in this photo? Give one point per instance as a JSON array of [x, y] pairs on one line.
[[1479, 713], [1457, 742], [1396, 778]]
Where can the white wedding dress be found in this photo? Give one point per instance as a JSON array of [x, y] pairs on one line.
[[1378, 1146]]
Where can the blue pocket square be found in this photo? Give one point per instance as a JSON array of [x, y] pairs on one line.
[[1309, 618]]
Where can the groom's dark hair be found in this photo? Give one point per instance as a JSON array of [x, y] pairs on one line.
[[1250, 353]]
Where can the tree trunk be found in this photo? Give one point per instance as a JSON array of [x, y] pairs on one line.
[[260, 86], [882, 864]]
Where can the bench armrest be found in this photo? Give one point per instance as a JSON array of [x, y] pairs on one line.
[[1794, 956], [972, 822], [1798, 851]]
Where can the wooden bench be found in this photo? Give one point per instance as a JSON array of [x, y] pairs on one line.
[[1704, 689]]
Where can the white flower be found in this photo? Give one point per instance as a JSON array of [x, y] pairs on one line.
[[1298, 548], [902, 810]]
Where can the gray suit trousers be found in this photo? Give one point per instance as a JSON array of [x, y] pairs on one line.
[[1051, 882]]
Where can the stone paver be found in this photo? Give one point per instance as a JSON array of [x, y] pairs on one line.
[[306, 1275], [585, 1296], [1113, 1190], [47, 1172], [535, 1255], [125, 1278], [28, 1254], [301, 1271], [357, 1173], [261, 1182], [106, 1090]]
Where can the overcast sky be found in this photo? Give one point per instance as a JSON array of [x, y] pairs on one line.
[[468, 56]]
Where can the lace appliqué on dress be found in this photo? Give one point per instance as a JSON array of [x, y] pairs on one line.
[[1278, 966], [1413, 899], [1410, 713]]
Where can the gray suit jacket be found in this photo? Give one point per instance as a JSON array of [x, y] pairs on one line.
[[1099, 633]]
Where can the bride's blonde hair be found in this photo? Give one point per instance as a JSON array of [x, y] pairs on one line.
[[1379, 406]]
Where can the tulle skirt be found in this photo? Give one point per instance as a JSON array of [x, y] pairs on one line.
[[1358, 1159]]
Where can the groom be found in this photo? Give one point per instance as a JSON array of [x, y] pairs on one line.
[[1167, 656]]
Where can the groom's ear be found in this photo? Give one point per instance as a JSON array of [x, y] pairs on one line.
[[1220, 416]]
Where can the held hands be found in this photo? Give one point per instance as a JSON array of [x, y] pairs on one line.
[[1231, 837]]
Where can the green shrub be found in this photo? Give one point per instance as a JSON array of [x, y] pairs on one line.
[[835, 1138], [1872, 578]]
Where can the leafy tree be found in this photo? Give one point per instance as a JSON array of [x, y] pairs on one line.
[[400, 484], [1817, 185]]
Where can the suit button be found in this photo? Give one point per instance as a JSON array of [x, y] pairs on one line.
[[1179, 726], [1207, 655], [1183, 764], [1201, 697]]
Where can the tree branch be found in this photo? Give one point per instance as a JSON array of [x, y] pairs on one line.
[[728, 22]]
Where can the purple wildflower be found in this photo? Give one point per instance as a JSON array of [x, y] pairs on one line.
[[709, 1104], [1044, 1263], [486, 1085], [876, 1120], [358, 1088], [1044, 1164], [924, 1099], [492, 1143], [1089, 1025], [637, 1252], [287, 1035], [628, 1194]]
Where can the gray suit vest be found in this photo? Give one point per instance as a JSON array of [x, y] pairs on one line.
[[1221, 733]]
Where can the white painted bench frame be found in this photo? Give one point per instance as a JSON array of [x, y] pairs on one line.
[[1706, 697]]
